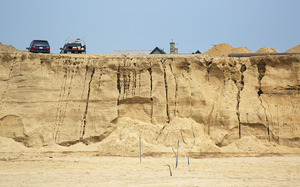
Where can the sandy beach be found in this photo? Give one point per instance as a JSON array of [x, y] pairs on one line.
[[88, 169]]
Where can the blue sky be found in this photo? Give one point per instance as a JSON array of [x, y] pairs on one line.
[[144, 24]]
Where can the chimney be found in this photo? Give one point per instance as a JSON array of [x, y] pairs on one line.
[[173, 49]]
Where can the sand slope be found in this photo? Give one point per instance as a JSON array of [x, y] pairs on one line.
[[10, 48], [266, 50], [241, 50], [295, 49], [224, 49]]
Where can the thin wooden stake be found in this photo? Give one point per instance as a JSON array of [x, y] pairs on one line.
[[187, 161], [140, 150], [177, 154], [169, 169]]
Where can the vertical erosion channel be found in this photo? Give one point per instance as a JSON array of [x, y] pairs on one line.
[[151, 88], [167, 97], [118, 83], [240, 87], [87, 102], [176, 90], [261, 67]]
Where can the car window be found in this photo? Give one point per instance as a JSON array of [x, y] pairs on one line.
[[40, 43], [74, 44]]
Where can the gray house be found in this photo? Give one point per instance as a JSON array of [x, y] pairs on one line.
[[157, 50]]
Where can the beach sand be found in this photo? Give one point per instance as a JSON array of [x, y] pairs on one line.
[[88, 169]]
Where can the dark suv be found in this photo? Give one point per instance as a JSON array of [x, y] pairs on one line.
[[39, 46], [74, 45]]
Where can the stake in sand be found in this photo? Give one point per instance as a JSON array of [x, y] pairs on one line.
[[169, 169], [176, 155], [140, 150]]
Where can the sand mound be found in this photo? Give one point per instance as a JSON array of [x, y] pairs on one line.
[[246, 144], [266, 50], [250, 144], [124, 140], [189, 132], [11, 126], [7, 47], [241, 50], [222, 49], [295, 49], [9, 145]]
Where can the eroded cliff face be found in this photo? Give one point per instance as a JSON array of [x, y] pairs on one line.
[[65, 99]]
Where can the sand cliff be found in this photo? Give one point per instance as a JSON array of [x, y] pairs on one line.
[[209, 103]]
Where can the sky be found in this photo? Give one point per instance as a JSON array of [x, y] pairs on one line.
[[145, 24]]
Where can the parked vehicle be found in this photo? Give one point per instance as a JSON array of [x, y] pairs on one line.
[[74, 45], [39, 46]]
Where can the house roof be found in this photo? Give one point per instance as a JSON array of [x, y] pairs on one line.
[[157, 49], [132, 52], [197, 52]]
